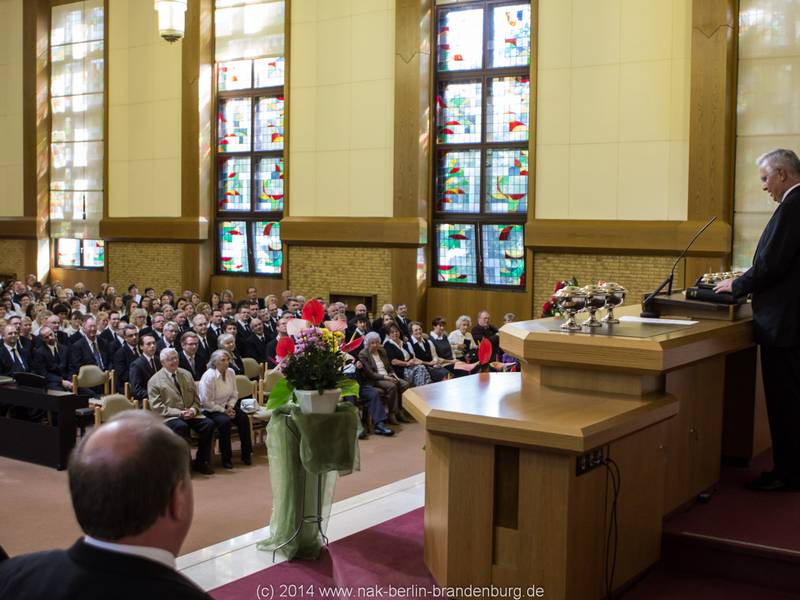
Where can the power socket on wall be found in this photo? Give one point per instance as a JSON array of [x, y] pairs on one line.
[[586, 462]]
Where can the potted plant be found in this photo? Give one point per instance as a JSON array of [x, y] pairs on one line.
[[311, 359]]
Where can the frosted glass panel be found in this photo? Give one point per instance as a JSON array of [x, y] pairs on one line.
[[76, 69], [77, 118], [76, 22], [76, 166], [249, 31]]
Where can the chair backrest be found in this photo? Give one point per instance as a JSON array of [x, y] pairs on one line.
[[145, 404], [251, 368], [244, 386], [91, 376], [272, 377], [113, 404]]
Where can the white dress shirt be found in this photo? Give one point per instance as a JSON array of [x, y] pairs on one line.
[[158, 555], [215, 393]]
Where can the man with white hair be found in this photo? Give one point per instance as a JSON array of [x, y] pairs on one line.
[[772, 281], [173, 396]]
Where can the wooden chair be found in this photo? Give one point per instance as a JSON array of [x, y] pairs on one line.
[[252, 369], [89, 376], [270, 379], [109, 406], [252, 389]]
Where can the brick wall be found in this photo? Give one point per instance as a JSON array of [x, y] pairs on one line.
[[317, 271], [638, 274], [12, 257], [159, 266]]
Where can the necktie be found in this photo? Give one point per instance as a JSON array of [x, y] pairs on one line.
[[152, 365], [18, 360], [203, 344], [97, 358], [55, 352], [191, 362], [177, 385]]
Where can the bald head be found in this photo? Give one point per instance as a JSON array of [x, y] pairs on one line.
[[130, 482]]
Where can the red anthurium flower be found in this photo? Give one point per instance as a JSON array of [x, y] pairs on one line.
[[284, 348], [484, 351], [352, 345], [313, 311]]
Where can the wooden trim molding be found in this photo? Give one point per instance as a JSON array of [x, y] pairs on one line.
[[149, 229], [355, 231], [627, 237], [20, 228]]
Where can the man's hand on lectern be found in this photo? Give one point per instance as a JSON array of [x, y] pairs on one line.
[[725, 285]]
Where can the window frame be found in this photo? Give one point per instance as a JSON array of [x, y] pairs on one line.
[[249, 216], [484, 75], [82, 266]]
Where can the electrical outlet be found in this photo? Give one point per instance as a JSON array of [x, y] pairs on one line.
[[589, 461]]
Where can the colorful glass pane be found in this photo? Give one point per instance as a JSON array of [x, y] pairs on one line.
[[458, 182], [269, 179], [234, 184], [510, 41], [422, 265], [234, 128], [268, 248], [269, 123], [94, 253], [76, 69], [457, 257], [506, 181], [233, 246], [508, 109], [269, 72], [458, 113], [460, 40], [503, 255], [235, 75], [68, 252]]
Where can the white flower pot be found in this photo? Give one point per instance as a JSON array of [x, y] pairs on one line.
[[311, 401]]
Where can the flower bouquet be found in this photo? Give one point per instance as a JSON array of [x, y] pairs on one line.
[[550, 308], [311, 359]]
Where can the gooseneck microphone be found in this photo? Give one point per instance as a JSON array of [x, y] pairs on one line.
[[646, 312]]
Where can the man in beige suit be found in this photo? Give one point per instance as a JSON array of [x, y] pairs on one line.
[[173, 396]]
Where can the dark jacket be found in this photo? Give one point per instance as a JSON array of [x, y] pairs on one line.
[[370, 370], [140, 374], [80, 353], [255, 348], [123, 358], [90, 573], [7, 366], [45, 364], [773, 278], [199, 365]]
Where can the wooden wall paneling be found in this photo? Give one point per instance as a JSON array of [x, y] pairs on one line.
[[238, 284], [452, 302], [150, 229], [406, 288]]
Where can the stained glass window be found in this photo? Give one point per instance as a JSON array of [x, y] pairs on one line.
[[482, 119], [507, 181], [509, 101], [459, 40], [456, 253], [458, 113], [503, 254], [251, 68], [77, 65], [458, 182], [268, 248], [76, 253], [233, 246]]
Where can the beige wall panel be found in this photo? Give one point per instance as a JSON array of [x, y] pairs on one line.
[[341, 112], [11, 201], [613, 74], [144, 129]]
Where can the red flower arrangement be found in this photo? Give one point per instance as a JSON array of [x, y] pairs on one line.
[[550, 308]]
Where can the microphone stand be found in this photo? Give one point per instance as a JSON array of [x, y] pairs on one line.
[[647, 302]]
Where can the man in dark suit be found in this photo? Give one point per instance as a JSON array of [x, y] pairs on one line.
[[206, 339], [256, 345], [156, 329], [109, 334], [87, 351], [54, 323], [129, 547], [124, 357], [403, 321], [12, 359], [773, 281], [169, 339], [243, 320], [188, 356], [252, 297], [50, 361], [144, 367]]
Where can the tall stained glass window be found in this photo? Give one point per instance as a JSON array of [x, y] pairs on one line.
[[482, 123], [77, 75], [250, 68]]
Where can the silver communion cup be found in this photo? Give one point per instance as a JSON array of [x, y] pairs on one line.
[[615, 295], [571, 300], [595, 300]]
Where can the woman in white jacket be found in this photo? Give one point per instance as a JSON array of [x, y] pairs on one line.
[[219, 398]]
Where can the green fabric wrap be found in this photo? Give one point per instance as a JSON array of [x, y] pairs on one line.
[[304, 451]]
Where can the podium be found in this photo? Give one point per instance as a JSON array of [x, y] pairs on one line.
[[517, 492]]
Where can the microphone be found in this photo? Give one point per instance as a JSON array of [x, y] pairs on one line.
[[646, 313]]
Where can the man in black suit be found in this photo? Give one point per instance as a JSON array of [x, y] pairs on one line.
[[156, 329], [54, 323], [252, 297], [403, 321], [50, 361], [109, 334], [144, 367], [206, 340], [215, 326], [188, 357], [169, 339], [243, 320], [129, 547], [256, 345], [12, 359], [124, 357], [87, 351], [773, 281]]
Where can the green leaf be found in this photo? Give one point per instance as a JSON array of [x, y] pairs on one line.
[[348, 386], [280, 394]]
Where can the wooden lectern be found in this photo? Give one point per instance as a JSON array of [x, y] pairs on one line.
[[504, 503]]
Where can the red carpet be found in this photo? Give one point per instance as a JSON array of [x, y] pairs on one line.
[[389, 554]]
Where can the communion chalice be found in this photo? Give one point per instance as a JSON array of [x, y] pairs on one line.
[[571, 300], [615, 295], [595, 300]]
